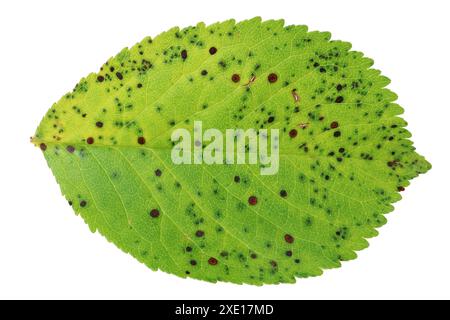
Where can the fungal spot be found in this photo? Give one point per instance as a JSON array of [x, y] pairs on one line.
[[99, 124], [289, 253], [212, 261], [237, 179], [43, 146], [339, 87], [204, 72], [334, 125], [154, 213], [70, 149], [293, 133], [119, 75], [158, 172], [184, 54], [283, 193], [139, 85], [337, 134], [83, 203], [339, 99], [212, 50], [272, 78], [235, 78], [100, 78], [271, 119], [252, 200], [141, 140], [193, 262], [199, 233], [90, 140], [288, 238]]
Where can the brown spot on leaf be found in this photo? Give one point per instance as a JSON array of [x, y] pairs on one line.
[[141, 140], [212, 50], [293, 133], [154, 213], [272, 78], [288, 238], [252, 200], [199, 233]]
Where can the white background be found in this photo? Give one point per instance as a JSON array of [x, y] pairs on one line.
[[47, 46]]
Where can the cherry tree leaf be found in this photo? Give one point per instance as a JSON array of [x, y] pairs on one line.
[[344, 152]]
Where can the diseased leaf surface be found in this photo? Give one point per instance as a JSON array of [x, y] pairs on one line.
[[344, 152]]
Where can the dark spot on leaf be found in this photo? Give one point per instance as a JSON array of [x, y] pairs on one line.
[[204, 72], [141, 140], [99, 124], [293, 133], [90, 140], [212, 261], [100, 78], [212, 50], [289, 253], [119, 75], [283, 193], [252, 200], [237, 179], [158, 172], [288, 238], [43, 146], [339, 99], [199, 233], [184, 54], [83, 203], [272, 78], [235, 78], [334, 125], [70, 149], [193, 262], [154, 213]]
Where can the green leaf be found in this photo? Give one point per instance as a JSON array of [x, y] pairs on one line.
[[344, 152]]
